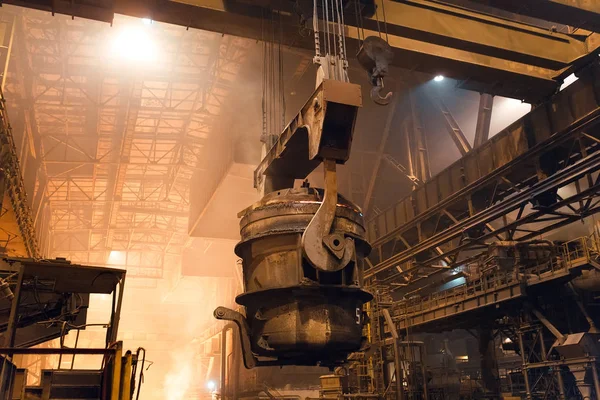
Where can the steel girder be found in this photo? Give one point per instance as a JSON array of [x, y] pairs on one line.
[[489, 54], [125, 188], [519, 202], [434, 222], [583, 14], [14, 188]]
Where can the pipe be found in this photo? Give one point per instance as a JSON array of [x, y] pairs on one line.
[[398, 371], [237, 358], [397, 365], [561, 338], [424, 372], [524, 367], [229, 327], [596, 380], [589, 319]]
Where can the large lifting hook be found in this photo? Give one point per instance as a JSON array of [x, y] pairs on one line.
[[376, 94], [325, 250], [374, 56]]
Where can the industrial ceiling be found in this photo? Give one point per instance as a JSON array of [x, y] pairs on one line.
[[109, 142]]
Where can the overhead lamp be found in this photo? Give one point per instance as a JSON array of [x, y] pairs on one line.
[[134, 43], [439, 78]]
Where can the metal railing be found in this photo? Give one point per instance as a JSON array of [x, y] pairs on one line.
[[457, 294], [567, 255]]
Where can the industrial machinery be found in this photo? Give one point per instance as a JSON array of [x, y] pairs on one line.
[[44, 300], [303, 248]]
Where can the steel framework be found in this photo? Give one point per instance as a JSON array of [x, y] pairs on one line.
[[484, 50], [111, 147], [518, 171]]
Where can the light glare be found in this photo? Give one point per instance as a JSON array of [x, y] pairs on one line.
[[211, 385], [568, 81], [116, 257], [439, 78], [146, 21], [134, 44]]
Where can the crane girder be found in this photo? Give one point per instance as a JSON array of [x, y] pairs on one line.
[[486, 53]]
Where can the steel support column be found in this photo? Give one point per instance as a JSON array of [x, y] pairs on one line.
[[524, 368], [489, 364], [456, 134], [484, 118], [417, 141], [379, 155]]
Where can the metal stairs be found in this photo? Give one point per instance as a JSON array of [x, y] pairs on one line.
[[64, 385]]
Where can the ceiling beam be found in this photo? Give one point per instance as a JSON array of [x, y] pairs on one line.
[[583, 14], [490, 54]]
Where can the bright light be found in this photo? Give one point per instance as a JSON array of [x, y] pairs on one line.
[[211, 385], [439, 78], [117, 258], [568, 81], [507, 340], [146, 21], [134, 43]]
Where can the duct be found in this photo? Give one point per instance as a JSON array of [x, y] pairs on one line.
[[587, 316], [588, 281], [538, 314]]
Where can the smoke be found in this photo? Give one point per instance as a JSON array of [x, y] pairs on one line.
[[178, 381]]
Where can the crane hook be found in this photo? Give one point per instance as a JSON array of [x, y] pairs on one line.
[[375, 55], [376, 94]]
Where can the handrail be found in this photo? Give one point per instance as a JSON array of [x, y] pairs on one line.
[[582, 248], [78, 328], [57, 350]]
